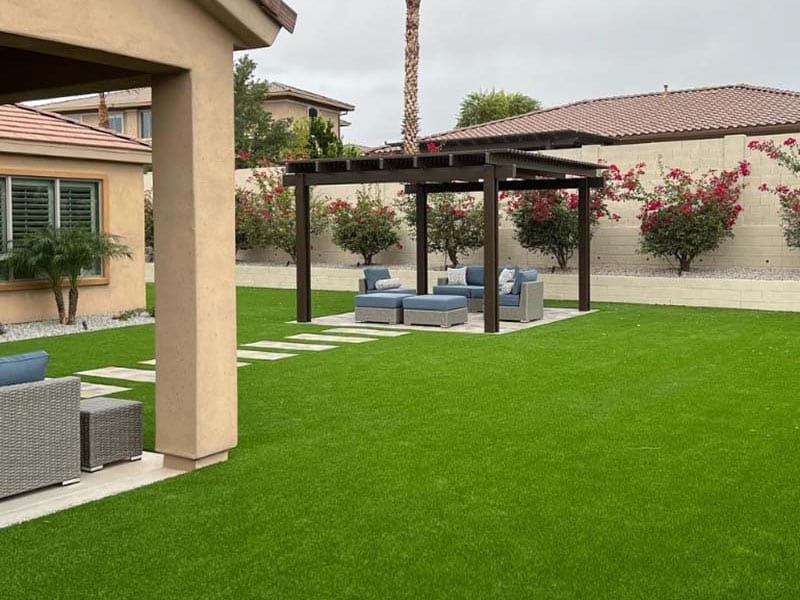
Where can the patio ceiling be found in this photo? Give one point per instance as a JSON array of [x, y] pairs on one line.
[[490, 171]]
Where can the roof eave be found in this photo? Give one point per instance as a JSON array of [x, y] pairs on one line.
[[253, 23], [51, 149]]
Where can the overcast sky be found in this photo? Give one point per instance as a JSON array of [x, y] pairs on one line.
[[555, 50]]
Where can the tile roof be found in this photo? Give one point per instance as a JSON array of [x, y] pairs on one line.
[[277, 89], [281, 12], [28, 124], [679, 112]]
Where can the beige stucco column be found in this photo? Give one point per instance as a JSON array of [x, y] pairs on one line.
[[193, 179]]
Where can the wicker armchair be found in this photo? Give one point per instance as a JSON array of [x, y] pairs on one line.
[[40, 436]]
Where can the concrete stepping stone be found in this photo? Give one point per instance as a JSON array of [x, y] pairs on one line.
[[93, 390], [290, 346], [152, 363], [336, 339], [256, 355], [138, 375], [366, 331]]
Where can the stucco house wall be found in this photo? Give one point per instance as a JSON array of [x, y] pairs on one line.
[[122, 286]]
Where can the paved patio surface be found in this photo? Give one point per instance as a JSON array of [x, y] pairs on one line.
[[113, 479], [474, 322]]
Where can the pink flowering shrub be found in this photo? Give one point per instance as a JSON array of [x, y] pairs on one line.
[[455, 222], [688, 215], [788, 156], [365, 227], [265, 214], [547, 221]]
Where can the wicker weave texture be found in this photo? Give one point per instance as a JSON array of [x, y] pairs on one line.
[[442, 318], [39, 434], [111, 430], [390, 316]]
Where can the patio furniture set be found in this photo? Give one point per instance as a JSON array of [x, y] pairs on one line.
[[48, 435], [381, 298]]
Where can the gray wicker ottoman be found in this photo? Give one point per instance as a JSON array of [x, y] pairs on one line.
[[380, 308], [111, 430], [434, 309]]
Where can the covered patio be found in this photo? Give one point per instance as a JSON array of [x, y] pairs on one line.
[[464, 171]]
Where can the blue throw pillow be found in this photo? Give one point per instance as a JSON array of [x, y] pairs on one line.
[[522, 277], [373, 274], [23, 368], [475, 275]]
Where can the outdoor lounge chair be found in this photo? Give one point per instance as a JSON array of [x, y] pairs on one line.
[[372, 275]]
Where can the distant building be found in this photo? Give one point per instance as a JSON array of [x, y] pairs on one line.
[[129, 111]]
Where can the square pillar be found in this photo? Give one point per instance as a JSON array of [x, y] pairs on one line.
[[193, 177], [491, 252], [303, 249], [421, 198], [584, 247]]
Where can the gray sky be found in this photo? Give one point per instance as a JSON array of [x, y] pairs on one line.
[[555, 50]]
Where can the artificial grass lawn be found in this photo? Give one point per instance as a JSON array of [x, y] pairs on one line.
[[640, 452]]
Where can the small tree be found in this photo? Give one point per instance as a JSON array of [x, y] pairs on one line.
[[547, 221], [482, 106], [149, 221], [788, 156], [455, 222], [366, 227], [266, 215], [686, 215], [81, 250]]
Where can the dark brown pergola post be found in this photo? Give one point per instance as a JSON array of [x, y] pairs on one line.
[[491, 315], [303, 230], [584, 247], [421, 194]]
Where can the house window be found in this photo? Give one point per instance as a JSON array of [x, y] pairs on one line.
[[312, 112], [116, 121], [146, 124], [29, 204]]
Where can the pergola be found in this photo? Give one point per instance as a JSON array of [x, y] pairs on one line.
[[464, 171]]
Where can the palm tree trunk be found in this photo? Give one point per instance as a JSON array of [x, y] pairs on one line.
[[102, 110], [411, 105], [58, 293], [73, 304]]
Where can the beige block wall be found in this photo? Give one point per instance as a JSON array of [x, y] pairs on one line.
[[290, 109], [125, 217]]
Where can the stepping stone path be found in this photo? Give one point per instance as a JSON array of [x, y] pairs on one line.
[[368, 332], [152, 363], [337, 339], [138, 375], [290, 346], [256, 355], [93, 390]]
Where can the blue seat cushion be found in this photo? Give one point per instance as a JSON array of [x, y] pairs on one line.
[[378, 300], [373, 274], [401, 290], [523, 277], [23, 368], [475, 275], [468, 291], [435, 302], [509, 299]]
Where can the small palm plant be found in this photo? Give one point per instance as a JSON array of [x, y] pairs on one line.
[[80, 251], [59, 254]]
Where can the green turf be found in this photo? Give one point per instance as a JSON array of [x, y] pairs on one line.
[[639, 452]]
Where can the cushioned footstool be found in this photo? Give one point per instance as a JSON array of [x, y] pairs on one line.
[[434, 309], [380, 308], [111, 430]]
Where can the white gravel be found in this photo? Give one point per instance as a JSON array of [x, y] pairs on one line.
[[85, 323]]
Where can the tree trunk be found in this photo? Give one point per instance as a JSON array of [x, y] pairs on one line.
[[367, 259], [453, 255], [685, 265], [58, 293], [102, 110], [411, 88], [563, 260], [73, 305]]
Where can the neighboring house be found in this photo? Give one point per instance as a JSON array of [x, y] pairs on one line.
[[55, 172], [129, 111]]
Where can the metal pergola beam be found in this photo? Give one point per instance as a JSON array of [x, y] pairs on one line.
[[512, 185]]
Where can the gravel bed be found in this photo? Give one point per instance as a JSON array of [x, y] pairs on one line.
[[627, 271], [40, 329]]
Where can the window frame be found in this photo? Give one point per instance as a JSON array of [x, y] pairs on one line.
[[99, 179], [113, 114], [142, 114]]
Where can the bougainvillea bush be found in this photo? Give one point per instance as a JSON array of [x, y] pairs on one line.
[[365, 227], [787, 155], [547, 221], [265, 214], [455, 222], [687, 215]]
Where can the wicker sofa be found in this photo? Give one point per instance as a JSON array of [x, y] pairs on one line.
[[40, 437]]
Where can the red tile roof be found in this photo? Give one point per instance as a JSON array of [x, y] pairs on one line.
[[662, 114], [28, 124]]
